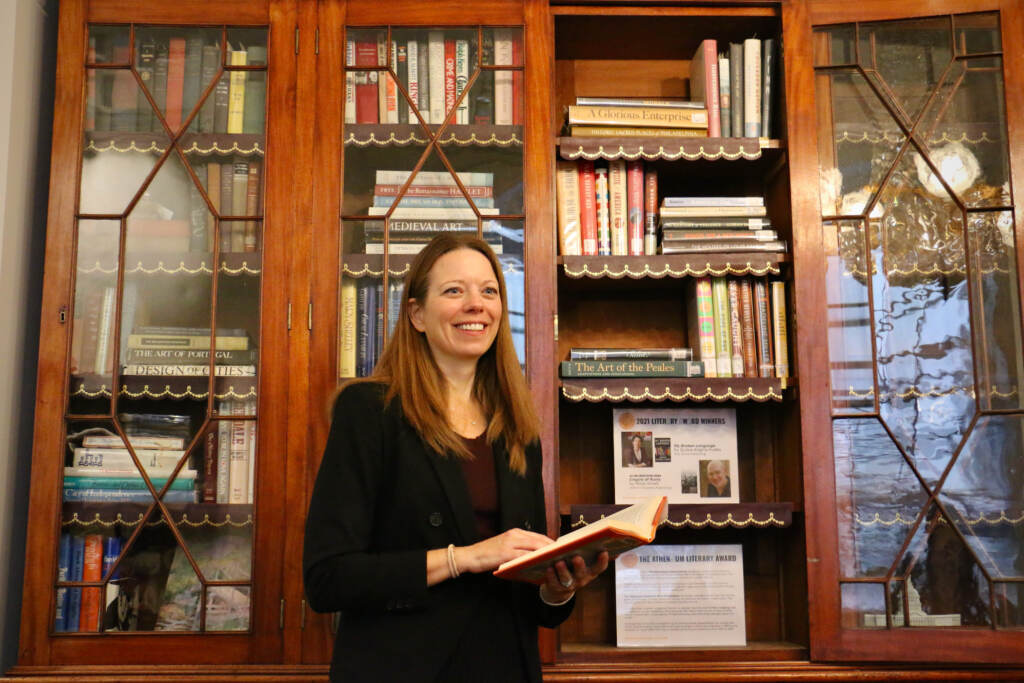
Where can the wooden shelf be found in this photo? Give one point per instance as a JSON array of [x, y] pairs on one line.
[[131, 514], [172, 263], [673, 265], [404, 134], [630, 658], [205, 144], [669, 149], [699, 516], [160, 387], [675, 389]]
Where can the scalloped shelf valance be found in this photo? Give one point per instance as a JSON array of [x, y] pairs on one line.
[[657, 390], [672, 265], [698, 516], [670, 149]]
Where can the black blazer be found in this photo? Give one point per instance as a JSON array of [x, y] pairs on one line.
[[381, 500]]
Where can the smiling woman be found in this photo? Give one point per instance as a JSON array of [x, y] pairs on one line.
[[431, 478]]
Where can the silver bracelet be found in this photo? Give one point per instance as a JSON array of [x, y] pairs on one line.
[[453, 569]]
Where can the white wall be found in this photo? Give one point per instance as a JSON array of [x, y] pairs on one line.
[[27, 62]]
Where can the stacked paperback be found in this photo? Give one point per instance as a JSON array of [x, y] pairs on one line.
[[623, 117], [623, 362], [716, 224]]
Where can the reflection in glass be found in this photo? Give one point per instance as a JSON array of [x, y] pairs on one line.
[[862, 604], [835, 45], [977, 33]]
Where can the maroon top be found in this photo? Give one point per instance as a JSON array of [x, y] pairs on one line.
[[482, 484]]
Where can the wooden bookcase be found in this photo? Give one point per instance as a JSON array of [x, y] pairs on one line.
[[793, 497]]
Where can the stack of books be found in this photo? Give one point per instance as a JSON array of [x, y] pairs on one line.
[[185, 351], [102, 470], [738, 85], [432, 204], [627, 362], [434, 68], [84, 557], [716, 224], [626, 117], [737, 325]]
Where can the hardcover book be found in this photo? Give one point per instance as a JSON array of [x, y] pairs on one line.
[[568, 193], [583, 353], [688, 455], [635, 132], [650, 117], [704, 83], [614, 534], [632, 368]]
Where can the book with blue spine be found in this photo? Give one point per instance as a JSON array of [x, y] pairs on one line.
[[125, 496], [63, 570], [74, 595]]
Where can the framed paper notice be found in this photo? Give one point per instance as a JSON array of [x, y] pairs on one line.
[[680, 596], [688, 455]]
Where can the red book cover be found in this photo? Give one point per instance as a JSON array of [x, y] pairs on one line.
[[92, 570], [588, 208], [635, 206], [252, 206], [449, 75], [366, 83], [175, 82], [517, 82], [704, 84], [747, 328]]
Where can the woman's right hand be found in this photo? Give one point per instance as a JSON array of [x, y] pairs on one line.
[[491, 552]]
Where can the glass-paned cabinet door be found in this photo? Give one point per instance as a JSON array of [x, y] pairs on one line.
[[433, 144], [924, 323], [161, 421]]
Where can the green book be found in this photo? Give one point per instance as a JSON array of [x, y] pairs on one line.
[[125, 483], [632, 368], [723, 327]]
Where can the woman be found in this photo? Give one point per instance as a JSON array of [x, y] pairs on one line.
[[431, 478]]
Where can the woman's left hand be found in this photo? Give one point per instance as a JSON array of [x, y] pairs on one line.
[[562, 580]]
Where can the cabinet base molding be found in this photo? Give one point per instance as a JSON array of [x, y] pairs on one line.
[[782, 671], [247, 673]]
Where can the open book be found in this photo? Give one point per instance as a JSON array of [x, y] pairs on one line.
[[617, 533]]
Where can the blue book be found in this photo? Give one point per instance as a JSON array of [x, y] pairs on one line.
[[119, 496], [60, 623], [111, 551], [74, 602]]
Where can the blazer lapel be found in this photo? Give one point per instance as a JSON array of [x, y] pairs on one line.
[[453, 482]]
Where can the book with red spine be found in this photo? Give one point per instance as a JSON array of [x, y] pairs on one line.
[[747, 328], [449, 75], [588, 208], [366, 83], [92, 570], [252, 207], [175, 82], [635, 207], [704, 83]]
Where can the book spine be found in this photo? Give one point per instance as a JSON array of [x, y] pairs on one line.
[[709, 211], [175, 82], [365, 82], [503, 106], [190, 357], [696, 235], [588, 208], [94, 495], [224, 453], [414, 247], [449, 76], [423, 72], [347, 336], [197, 212], [238, 466], [699, 246], [391, 89], [111, 551], [618, 206], [767, 66], [252, 206], [648, 117], [127, 470], [187, 342], [461, 79], [410, 201], [713, 223], [192, 85], [436, 191], [362, 326], [568, 193], [383, 78], [435, 47], [60, 623], [639, 102], [703, 301], [735, 328], [752, 88], [123, 95], [677, 202], [724, 95], [401, 59], [747, 328], [723, 332], [254, 110], [73, 615], [417, 229], [636, 132], [601, 199], [226, 203], [92, 570], [166, 443], [432, 212], [236, 93], [250, 441], [635, 207], [483, 90], [679, 353], [188, 370], [632, 368], [239, 190], [350, 82], [159, 91], [779, 331], [736, 87], [433, 178], [413, 75], [714, 107], [210, 467], [763, 330], [378, 337], [104, 458], [114, 483], [105, 332], [221, 97], [651, 212]]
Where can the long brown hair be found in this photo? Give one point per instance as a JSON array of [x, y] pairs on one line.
[[408, 368]]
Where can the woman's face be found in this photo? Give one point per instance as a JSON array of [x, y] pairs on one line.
[[462, 309]]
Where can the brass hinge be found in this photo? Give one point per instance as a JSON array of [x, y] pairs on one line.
[[556, 326], [281, 616], [309, 317], [296, 40], [302, 621], [289, 315], [316, 41]]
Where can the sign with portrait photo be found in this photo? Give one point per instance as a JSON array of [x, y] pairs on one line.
[[686, 454]]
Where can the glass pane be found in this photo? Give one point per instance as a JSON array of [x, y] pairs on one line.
[[925, 362], [92, 338], [906, 59], [1008, 598], [849, 318], [857, 145], [108, 45], [835, 45], [977, 33], [495, 182], [506, 238], [878, 497], [945, 586], [863, 605], [983, 496]]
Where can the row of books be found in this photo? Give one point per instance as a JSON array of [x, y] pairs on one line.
[[361, 338], [434, 69], [716, 224], [738, 84], [432, 203], [83, 557], [176, 71]]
